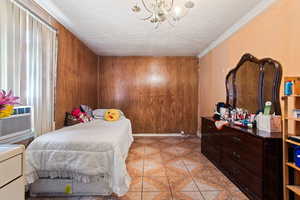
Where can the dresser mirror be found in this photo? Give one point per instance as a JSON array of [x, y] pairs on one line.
[[253, 82]]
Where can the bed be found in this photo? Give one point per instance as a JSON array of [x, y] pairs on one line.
[[88, 159]]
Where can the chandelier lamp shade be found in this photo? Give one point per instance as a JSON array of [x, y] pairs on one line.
[[159, 11]]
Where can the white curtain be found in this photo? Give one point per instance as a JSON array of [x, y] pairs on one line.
[[28, 57]]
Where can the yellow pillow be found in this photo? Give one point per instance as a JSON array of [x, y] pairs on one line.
[[112, 115]]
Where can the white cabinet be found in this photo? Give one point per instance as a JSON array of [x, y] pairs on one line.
[[12, 183]]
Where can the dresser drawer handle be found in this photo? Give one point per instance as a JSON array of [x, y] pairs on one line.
[[236, 139], [236, 155]]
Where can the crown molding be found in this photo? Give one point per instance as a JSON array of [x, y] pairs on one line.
[[51, 9], [58, 15], [258, 9]]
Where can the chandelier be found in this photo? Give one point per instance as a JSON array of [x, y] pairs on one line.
[[159, 11]]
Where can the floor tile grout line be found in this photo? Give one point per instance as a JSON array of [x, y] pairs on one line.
[[194, 181], [164, 176], [185, 166], [201, 192], [170, 188], [143, 174]]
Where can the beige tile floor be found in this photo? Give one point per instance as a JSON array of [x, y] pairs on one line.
[[171, 168]]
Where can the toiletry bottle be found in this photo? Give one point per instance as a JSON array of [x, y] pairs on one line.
[[288, 88], [267, 109]]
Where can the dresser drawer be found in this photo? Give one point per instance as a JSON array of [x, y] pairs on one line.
[[213, 139], [251, 184], [208, 126], [243, 177], [213, 154], [251, 161], [210, 134], [229, 166], [243, 141], [13, 191], [12, 168]]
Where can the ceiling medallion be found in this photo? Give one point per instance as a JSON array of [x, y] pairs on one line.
[[160, 11]]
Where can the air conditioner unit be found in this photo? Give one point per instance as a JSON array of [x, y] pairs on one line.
[[18, 126]]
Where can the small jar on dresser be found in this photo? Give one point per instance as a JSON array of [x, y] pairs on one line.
[[12, 183]]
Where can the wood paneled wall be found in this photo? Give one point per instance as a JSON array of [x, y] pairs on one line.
[[158, 94], [76, 75], [76, 70]]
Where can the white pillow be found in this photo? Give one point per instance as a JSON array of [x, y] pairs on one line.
[[99, 113]]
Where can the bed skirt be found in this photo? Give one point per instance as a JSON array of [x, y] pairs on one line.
[[57, 187]]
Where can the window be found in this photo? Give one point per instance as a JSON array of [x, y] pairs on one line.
[[28, 57]]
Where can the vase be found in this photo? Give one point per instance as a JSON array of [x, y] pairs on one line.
[[6, 111]]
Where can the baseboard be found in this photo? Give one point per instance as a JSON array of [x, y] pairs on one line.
[[158, 134], [163, 135], [199, 134]]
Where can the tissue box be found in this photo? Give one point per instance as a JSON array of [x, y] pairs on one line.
[[268, 123]]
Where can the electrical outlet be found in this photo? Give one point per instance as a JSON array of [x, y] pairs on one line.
[[183, 134]]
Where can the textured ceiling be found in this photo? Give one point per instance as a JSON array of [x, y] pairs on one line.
[[109, 27]]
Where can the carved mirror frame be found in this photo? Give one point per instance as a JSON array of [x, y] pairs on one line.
[[231, 96]]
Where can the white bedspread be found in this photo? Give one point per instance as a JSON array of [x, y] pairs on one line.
[[84, 152]]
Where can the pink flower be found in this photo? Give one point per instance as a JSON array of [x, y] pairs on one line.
[[7, 99]]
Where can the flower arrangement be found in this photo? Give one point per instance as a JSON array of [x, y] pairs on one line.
[[7, 102]]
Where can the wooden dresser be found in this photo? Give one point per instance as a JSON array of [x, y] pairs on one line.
[[251, 159], [12, 183]]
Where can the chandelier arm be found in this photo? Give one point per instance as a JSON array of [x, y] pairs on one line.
[[168, 19], [146, 18], [185, 13], [157, 25], [172, 3], [144, 4]]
